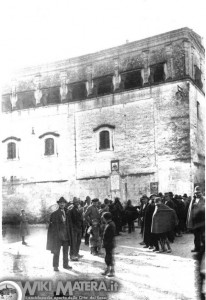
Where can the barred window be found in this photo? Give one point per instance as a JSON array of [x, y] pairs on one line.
[[104, 140], [49, 146], [11, 150]]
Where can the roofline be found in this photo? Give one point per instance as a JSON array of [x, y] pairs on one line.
[[140, 45]]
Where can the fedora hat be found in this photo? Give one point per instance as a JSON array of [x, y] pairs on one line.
[[62, 200]]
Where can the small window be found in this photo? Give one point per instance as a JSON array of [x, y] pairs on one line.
[[79, 91], [6, 103], [198, 110], [131, 80], [104, 140], [51, 96], [11, 150], [157, 73], [103, 85], [49, 146], [198, 77], [104, 137]]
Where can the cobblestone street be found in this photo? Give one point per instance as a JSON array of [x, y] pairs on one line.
[[140, 273]]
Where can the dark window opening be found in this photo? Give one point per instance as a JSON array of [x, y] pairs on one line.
[[157, 73], [51, 96], [198, 110], [131, 80], [198, 77], [49, 146], [79, 91], [104, 85], [104, 142], [25, 100], [11, 150], [6, 103]]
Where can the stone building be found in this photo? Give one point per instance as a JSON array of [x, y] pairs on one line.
[[123, 121]]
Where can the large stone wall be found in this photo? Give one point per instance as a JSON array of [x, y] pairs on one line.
[[197, 135], [151, 141], [157, 133]]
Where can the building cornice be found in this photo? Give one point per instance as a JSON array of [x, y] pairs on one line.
[[140, 45]]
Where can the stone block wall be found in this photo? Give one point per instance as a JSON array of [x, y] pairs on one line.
[[157, 129]]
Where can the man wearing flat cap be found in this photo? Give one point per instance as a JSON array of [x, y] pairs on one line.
[[92, 212], [59, 234]]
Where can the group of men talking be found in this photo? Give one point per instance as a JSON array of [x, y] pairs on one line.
[[66, 229]]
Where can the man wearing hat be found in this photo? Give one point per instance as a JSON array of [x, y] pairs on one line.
[[144, 203], [59, 234], [92, 212], [197, 208], [85, 223], [77, 223]]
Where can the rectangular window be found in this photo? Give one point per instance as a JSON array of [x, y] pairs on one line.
[[78, 91], [51, 96], [49, 146], [198, 110], [11, 150], [131, 80], [198, 77], [104, 140], [103, 86], [6, 103], [157, 73]]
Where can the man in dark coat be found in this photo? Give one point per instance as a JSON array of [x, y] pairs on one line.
[[59, 234], [164, 220], [144, 203], [116, 209], [130, 215], [148, 237], [85, 223], [197, 205], [77, 223]]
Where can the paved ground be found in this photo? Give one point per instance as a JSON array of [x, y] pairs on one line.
[[140, 273]]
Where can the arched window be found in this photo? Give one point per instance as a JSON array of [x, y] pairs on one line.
[[49, 143], [104, 140], [49, 146], [104, 137], [11, 150]]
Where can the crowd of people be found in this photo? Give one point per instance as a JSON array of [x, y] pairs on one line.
[[161, 218]]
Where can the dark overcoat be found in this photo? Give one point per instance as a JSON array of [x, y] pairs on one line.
[[58, 231], [24, 228], [147, 223], [109, 235], [164, 219], [193, 210]]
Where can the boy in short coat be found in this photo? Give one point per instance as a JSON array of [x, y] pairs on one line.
[[109, 244]]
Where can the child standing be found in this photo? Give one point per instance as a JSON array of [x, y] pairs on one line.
[[109, 244], [94, 232], [23, 226]]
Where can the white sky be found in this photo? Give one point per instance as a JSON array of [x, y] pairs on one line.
[[41, 31]]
